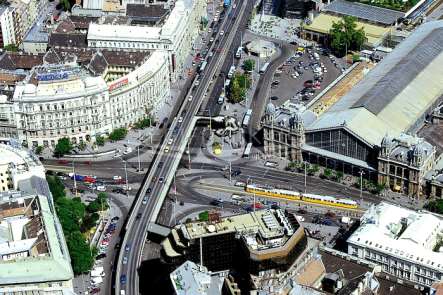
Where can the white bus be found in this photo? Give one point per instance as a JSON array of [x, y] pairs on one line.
[[247, 151], [264, 68], [202, 66], [231, 72], [246, 118]]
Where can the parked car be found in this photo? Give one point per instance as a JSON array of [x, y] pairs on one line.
[[123, 279], [101, 188], [100, 256]]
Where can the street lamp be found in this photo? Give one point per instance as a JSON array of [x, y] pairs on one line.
[[210, 120], [126, 175], [138, 157], [305, 174], [361, 186]]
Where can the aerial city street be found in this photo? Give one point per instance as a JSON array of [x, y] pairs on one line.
[[221, 147]]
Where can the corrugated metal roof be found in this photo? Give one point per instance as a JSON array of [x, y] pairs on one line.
[[364, 11], [397, 92]]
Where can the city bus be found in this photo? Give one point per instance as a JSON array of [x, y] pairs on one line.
[[246, 118], [202, 66], [247, 151], [264, 68]]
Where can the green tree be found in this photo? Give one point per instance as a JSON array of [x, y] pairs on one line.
[[203, 216], [39, 150], [435, 206], [143, 123], [89, 221], [82, 256], [65, 4], [100, 140], [11, 47], [248, 65], [63, 147], [338, 175], [99, 204], [238, 87], [345, 35], [82, 146], [56, 187], [118, 134]]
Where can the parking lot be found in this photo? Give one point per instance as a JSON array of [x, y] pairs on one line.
[[303, 76]]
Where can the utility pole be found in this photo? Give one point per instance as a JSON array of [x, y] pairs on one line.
[[126, 175], [138, 157], [201, 251], [175, 202], [75, 180], [361, 187], [305, 176], [189, 155], [210, 122], [230, 171]]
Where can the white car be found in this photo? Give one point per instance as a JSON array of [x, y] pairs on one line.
[[211, 40], [116, 177], [127, 151], [170, 141], [197, 82], [222, 33], [126, 187], [166, 149], [101, 188], [180, 119], [190, 98]]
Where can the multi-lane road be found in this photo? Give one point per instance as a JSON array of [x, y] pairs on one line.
[[157, 180]]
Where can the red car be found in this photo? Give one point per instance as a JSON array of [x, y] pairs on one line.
[[63, 161], [89, 179]]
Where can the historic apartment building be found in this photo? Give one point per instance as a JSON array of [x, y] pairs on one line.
[[283, 133], [57, 101], [403, 163]]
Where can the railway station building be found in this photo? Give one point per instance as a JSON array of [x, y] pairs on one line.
[[392, 101]]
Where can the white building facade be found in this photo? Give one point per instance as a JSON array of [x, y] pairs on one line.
[[80, 107], [176, 36], [405, 243]]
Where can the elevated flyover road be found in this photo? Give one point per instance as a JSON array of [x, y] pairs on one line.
[[157, 181]]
